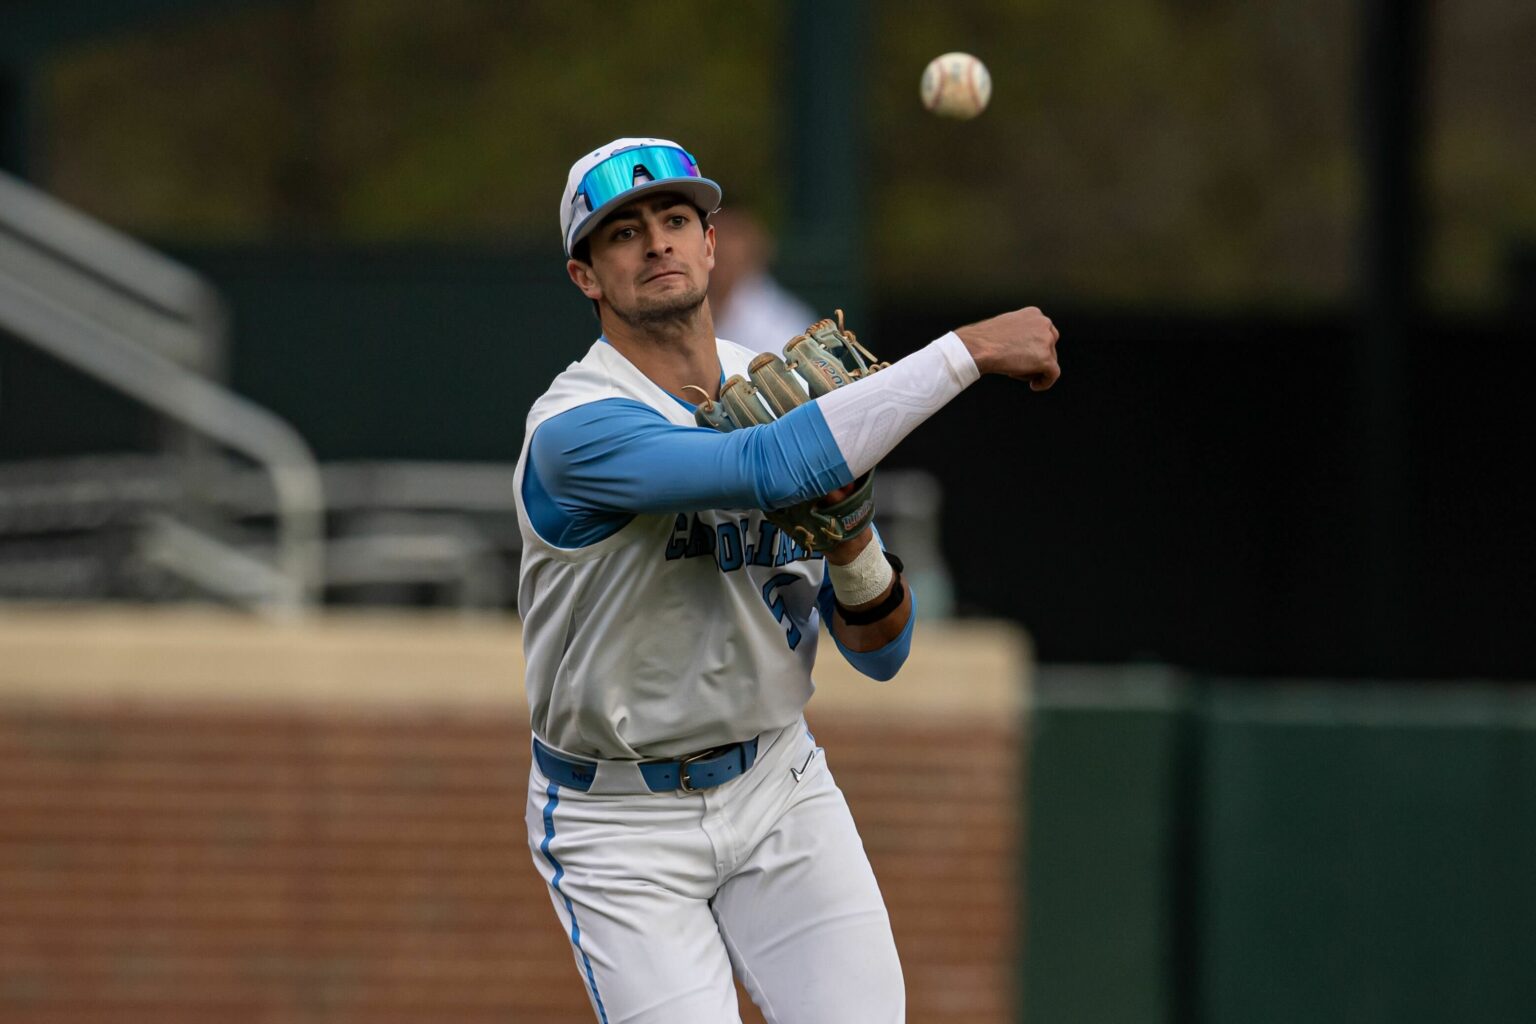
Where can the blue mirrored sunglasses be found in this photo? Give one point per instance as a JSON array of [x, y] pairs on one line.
[[617, 174]]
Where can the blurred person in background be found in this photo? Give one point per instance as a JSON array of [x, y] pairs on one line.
[[749, 306]]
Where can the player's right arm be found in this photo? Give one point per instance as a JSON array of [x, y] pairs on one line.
[[870, 416], [593, 467]]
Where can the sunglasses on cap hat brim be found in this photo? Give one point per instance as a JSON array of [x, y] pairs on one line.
[[630, 171]]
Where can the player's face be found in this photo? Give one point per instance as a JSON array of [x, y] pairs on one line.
[[650, 261]]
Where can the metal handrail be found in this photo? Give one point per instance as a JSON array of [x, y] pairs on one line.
[[94, 346], [110, 269]]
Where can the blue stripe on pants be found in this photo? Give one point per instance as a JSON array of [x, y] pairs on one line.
[[549, 834]]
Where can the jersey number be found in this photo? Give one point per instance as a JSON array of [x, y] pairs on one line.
[[776, 605]]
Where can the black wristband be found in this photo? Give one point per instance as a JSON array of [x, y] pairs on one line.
[[892, 600]]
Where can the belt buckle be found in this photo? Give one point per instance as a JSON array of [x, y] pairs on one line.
[[683, 763]]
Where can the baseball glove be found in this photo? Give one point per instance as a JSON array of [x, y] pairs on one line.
[[826, 357]]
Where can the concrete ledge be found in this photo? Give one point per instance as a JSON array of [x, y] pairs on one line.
[[956, 669], [200, 654], [414, 660]]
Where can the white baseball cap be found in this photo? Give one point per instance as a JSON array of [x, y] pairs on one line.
[[612, 175]]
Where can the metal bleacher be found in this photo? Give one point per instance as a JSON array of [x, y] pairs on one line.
[[152, 330], [233, 506]]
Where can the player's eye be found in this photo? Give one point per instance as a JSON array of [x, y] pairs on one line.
[[623, 234], [677, 220]]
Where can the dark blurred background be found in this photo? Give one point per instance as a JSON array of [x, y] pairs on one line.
[[1289, 246]]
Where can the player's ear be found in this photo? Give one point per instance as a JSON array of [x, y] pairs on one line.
[[709, 246], [583, 278]]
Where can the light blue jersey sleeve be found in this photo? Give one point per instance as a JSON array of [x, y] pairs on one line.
[[880, 664], [591, 469]]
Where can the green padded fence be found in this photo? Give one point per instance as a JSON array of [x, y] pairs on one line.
[[1101, 845], [1270, 853]]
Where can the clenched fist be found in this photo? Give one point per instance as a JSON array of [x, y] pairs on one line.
[[1021, 344]]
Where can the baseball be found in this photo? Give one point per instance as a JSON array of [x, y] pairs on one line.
[[956, 85]]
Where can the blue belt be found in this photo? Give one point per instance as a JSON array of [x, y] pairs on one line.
[[706, 769]]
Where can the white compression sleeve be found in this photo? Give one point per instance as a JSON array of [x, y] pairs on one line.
[[870, 417]]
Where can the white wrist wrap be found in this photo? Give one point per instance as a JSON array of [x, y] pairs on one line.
[[863, 579], [870, 416]]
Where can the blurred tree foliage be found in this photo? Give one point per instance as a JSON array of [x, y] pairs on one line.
[[1482, 158], [1137, 152], [389, 119]]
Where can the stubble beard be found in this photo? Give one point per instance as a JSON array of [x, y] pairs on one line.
[[660, 313]]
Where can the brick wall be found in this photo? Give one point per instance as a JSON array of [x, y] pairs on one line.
[[206, 818]]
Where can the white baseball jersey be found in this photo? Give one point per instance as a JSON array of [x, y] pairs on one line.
[[678, 632]]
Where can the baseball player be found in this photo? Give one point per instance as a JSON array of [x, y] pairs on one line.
[[679, 808]]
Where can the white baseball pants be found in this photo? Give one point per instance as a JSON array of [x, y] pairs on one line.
[[663, 895]]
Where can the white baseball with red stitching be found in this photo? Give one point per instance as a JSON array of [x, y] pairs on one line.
[[956, 85]]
